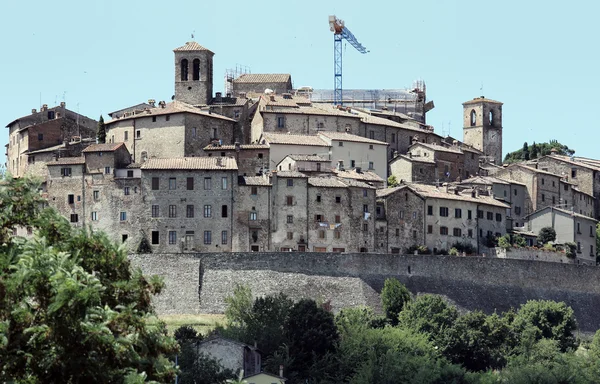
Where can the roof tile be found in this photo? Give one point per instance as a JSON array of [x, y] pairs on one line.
[[199, 163]]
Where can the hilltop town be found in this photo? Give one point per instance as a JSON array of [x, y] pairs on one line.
[[266, 167]]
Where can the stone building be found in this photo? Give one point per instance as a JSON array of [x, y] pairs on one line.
[[280, 145], [406, 168], [44, 129], [482, 126], [290, 221], [252, 159], [258, 83], [569, 227], [308, 164], [231, 354], [252, 215], [173, 129], [189, 203], [449, 161], [193, 74]]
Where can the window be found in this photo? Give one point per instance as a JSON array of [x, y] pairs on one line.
[[207, 237], [365, 227], [340, 143], [155, 211], [290, 235], [443, 230], [125, 136], [124, 238], [126, 190], [470, 233], [236, 114], [370, 146], [224, 237], [155, 236], [290, 182], [578, 247], [290, 219], [338, 219], [74, 218], [253, 216], [444, 211], [337, 234], [365, 193], [172, 237], [498, 217], [393, 138], [457, 232], [96, 195], [40, 136], [469, 215], [579, 228], [338, 199], [430, 210], [574, 173], [318, 218], [123, 216], [94, 216], [543, 197], [280, 122], [254, 191], [196, 69], [172, 183], [184, 70], [553, 199], [107, 170], [223, 183], [208, 211], [129, 173], [592, 250], [543, 181], [172, 211], [154, 119], [591, 231], [371, 134], [318, 167], [65, 171], [352, 164], [321, 234], [371, 165], [458, 213], [414, 216], [190, 183], [490, 215], [207, 183], [138, 133], [189, 211], [318, 199], [155, 183], [223, 211], [290, 200], [365, 208], [473, 118], [71, 199], [518, 210]]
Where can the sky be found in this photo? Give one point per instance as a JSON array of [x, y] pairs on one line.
[[539, 58]]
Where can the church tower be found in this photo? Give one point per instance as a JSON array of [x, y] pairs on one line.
[[193, 74], [482, 127]]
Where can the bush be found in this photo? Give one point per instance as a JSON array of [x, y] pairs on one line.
[[519, 241], [453, 252], [571, 250], [440, 251], [546, 235], [394, 297], [464, 247], [504, 242], [421, 250]]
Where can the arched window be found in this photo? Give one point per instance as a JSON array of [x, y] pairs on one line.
[[196, 69], [491, 117], [184, 70], [473, 118]]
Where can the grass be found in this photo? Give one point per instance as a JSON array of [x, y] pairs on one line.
[[203, 323]]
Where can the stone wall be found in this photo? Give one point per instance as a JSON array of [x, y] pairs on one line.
[[488, 284]]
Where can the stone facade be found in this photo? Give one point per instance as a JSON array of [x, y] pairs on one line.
[[482, 127], [252, 214], [231, 354], [256, 83], [193, 74], [400, 219], [252, 159], [413, 169]]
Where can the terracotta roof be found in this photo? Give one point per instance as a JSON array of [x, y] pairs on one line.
[[581, 162], [307, 158], [243, 147], [363, 175], [191, 46], [207, 163], [328, 182], [344, 136], [254, 181], [279, 101], [376, 120], [290, 174], [134, 166], [107, 147], [170, 108], [567, 212], [312, 110], [263, 78], [487, 180], [481, 99], [416, 159], [282, 138], [388, 191], [357, 183], [436, 147], [67, 161], [531, 169], [431, 191]]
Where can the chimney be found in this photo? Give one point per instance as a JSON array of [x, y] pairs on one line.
[[281, 371], [152, 103], [228, 95], [473, 193], [44, 108], [340, 165], [272, 97], [395, 154], [445, 185], [63, 104], [287, 96], [162, 104], [358, 169], [242, 95], [218, 97], [237, 146], [33, 110]]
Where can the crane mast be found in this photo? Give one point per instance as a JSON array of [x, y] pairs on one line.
[[340, 32]]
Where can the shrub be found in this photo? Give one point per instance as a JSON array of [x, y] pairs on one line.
[[464, 247], [453, 252], [571, 250], [394, 297], [519, 241], [504, 241], [546, 235], [421, 250]]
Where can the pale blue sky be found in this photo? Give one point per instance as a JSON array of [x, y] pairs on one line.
[[539, 58]]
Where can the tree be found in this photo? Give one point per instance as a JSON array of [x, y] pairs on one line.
[[72, 309], [239, 306], [394, 297], [428, 314], [541, 149], [392, 181], [546, 235], [265, 326], [144, 246], [101, 131], [546, 319], [534, 151], [525, 152]]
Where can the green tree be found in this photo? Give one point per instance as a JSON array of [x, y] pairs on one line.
[[101, 131], [546, 319], [239, 306], [394, 297], [428, 314], [541, 149], [534, 151], [519, 241], [72, 310], [144, 246], [525, 152], [392, 181], [265, 325], [546, 235]]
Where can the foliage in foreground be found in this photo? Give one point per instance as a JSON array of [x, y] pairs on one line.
[[72, 310]]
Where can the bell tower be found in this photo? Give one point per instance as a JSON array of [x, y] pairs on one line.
[[193, 74], [482, 126]]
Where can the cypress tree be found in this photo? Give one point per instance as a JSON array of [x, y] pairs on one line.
[[101, 131]]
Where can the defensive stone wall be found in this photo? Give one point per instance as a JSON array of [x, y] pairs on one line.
[[198, 283]]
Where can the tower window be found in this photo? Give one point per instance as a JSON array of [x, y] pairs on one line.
[[491, 117], [473, 118], [184, 70], [196, 69]]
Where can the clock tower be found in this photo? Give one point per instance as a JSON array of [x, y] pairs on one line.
[[482, 127]]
